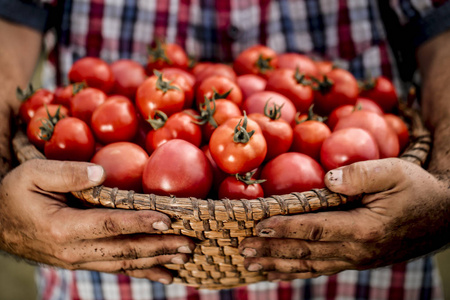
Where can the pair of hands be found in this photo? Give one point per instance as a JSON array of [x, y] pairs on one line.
[[403, 215]]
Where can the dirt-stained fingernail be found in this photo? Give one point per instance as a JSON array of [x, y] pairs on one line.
[[254, 267], [335, 176], [164, 280], [95, 173], [249, 252], [178, 260], [160, 225], [184, 249]]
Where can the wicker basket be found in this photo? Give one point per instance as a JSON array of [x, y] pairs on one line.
[[218, 226]]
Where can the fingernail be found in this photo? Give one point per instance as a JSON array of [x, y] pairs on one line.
[[254, 267], [177, 260], [266, 232], [95, 173], [164, 280], [249, 252], [160, 225], [335, 176], [184, 249]]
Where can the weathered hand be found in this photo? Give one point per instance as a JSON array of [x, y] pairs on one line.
[[37, 224], [404, 214]]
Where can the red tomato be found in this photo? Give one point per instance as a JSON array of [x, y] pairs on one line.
[[345, 110], [184, 82], [32, 101], [234, 188], [308, 138], [46, 116], [64, 94], [382, 91], [303, 174], [157, 93], [256, 103], [178, 168], [218, 174], [123, 163], [293, 61], [177, 71], [71, 140], [367, 104], [210, 69], [292, 85], [277, 132], [85, 102], [250, 84], [339, 87], [375, 124], [324, 67], [94, 71], [219, 87], [400, 128], [258, 60], [347, 146], [128, 76], [115, 120], [180, 125], [235, 148], [166, 55]]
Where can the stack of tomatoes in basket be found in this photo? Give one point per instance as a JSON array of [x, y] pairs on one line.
[[269, 124]]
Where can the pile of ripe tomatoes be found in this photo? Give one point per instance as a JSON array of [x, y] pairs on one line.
[[269, 124]]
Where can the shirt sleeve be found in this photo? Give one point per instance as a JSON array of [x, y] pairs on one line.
[[28, 13]]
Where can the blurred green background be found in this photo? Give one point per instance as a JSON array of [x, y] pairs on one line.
[[17, 278]]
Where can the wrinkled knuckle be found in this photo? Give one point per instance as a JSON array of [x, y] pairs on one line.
[[110, 226], [315, 233], [128, 252], [57, 235], [68, 258], [128, 265], [372, 234]]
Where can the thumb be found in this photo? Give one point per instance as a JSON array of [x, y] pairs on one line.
[[63, 176], [365, 177]]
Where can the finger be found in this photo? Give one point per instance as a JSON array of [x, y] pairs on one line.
[[154, 274], [318, 267], [276, 276], [298, 249], [63, 176], [338, 226], [366, 177], [71, 223], [125, 248]]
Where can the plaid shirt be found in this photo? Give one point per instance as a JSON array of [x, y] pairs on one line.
[[350, 32]]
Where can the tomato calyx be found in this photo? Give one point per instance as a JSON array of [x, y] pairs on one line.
[[158, 53], [274, 112], [247, 178], [263, 64], [48, 124], [368, 84], [78, 87], [216, 95], [26, 93], [300, 78], [158, 121], [241, 135], [206, 113], [323, 86], [164, 85]]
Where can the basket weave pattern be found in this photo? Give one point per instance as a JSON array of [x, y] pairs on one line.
[[218, 226]]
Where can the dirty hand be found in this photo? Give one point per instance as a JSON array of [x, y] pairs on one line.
[[37, 224], [404, 214]]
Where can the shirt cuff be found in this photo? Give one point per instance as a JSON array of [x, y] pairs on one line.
[[26, 13]]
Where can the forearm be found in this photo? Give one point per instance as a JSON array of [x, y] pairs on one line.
[[19, 52], [434, 64]]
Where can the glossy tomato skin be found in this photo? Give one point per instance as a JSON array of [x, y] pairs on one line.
[[94, 71], [64, 94], [84, 103], [128, 76], [250, 84], [256, 103], [123, 163], [71, 140], [224, 110], [28, 108], [219, 85], [375, 124], [400, 128], [345, 110], [277, 133], [185, 81], [293, 61], [39, 119], [115, 120], [206, 70], [233, 157], [218, 174], [347, 146], [235, 189], [291, 172], [178, 168], [383, 92], [247, 61], [283, 81], [343, 90], [308, 138], [190, 78], [174, 56], [149, 98], [178, 126]]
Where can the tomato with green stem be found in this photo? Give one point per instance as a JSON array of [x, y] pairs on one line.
[[241, 187]]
